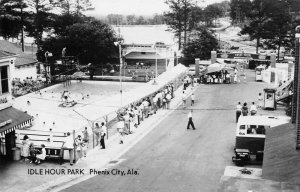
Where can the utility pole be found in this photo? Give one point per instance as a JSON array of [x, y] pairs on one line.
[[296, 90]]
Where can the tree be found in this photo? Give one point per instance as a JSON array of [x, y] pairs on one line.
[[239, 9], [178, 18], [202, 44], [278, 29], [212, 13], [130, 19], [115, 19], [81, 6], [91, 42], [174, 18], [12, 19], [140, 21], [258, 16]]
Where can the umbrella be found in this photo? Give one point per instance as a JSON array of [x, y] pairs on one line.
[[78, 74]]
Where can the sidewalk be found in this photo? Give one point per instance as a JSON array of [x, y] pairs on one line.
[[15, 176]]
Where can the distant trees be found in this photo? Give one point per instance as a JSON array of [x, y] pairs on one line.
[[117, 19]]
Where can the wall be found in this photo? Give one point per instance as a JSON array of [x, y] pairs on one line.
[[10, 63], [25, 71]]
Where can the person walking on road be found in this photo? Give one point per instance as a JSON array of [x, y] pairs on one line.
[[192, 99], [103, 133], [245, 109], [253, 109], [260, 101], [190, 121], [238, 111]]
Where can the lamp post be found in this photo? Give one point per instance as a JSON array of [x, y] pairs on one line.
[[118, 43], [154, 81]]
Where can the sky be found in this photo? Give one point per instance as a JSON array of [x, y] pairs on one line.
[[137, 7]]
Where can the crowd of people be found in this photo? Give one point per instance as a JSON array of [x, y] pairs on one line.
[[30, 153], [130, 118], [244, 110]]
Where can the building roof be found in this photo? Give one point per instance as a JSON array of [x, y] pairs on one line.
[[281, 159], [4, 54], [22, 58], [16, 118], [143, 55]]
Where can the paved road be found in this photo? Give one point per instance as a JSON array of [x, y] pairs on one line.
[[172, 158]]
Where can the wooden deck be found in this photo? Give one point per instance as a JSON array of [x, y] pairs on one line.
[[281, 159]]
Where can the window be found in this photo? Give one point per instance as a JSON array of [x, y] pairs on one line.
[[4, 79]]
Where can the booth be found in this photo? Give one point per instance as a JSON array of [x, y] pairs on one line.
[[258, 73], [218, 73], [269, 98]]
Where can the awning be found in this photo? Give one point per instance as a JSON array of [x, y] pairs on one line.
[[11, 119]]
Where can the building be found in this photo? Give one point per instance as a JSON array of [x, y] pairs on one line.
[[25, 62], [10, 118], [149, 55]]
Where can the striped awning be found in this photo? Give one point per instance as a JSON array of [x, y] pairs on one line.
[[11, 119]]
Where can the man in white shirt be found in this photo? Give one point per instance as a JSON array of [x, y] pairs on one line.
[[192, 99], [168, 97], [238, 111], [253, 109], [69, 145], [146, 107], [103, 133], [190, 121]]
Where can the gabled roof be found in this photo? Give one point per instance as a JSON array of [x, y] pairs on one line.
[[21, 58]]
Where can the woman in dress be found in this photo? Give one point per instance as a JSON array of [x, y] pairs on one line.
[[41, 156], [25, 148]]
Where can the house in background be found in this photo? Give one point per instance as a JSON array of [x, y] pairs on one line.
[[25, 62], [10, 118]]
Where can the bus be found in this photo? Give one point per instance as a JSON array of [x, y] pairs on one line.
[[258, 72], [250, 135]]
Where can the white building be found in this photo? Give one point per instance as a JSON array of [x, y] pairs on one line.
[[10, 118], [25, 63]]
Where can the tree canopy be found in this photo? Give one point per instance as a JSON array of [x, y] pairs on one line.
[[203, 42], [90, 42], [272, 21]]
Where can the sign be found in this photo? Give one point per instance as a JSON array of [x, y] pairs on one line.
[[243, 56], [5, 123]]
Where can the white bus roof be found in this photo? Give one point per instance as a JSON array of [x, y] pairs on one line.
[[271, 121]]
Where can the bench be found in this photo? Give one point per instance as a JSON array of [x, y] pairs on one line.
[[52, 153], [53, 142]]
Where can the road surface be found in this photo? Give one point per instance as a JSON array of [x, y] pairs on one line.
[[172, 158]]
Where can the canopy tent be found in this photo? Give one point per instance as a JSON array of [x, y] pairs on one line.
[[216, 67], [78, 74]]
